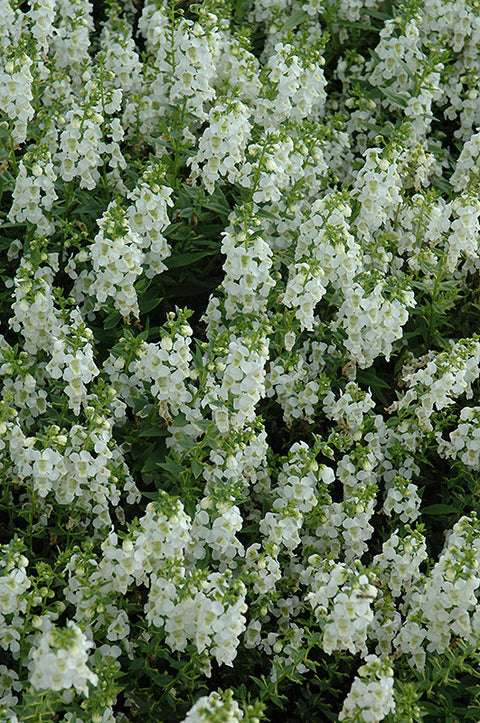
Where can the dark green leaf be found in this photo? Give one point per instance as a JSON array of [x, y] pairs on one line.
[[370, 379], [299, 16], [197, 468], [172, 467], [152, 432], [220, 206], [179, 260], [112, 320], [150, 465], [394, 97], [186, 442], [147, 305], [441, 510]]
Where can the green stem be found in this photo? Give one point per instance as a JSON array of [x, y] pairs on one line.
[[431, 315]]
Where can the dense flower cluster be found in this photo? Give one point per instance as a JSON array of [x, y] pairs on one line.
[[59, 660], [287, 471], [371, 695], [215, 707]]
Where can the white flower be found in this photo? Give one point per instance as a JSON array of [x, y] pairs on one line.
[[59, 660], [215, 707], [221, 148], [371, 696]]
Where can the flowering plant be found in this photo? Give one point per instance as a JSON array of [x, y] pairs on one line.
[[239, 361]]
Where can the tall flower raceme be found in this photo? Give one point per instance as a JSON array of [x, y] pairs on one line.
[[59, 660], [325, 235], [464, 439], [193, 63], [120, 55], [378, 187], [460, 28], [434, 380], [423, 223], [343, 597], [185, 54], [63, 333], [22, 383], [371, 696], [14, 584], [16, 94], [90, 135], [166, 366], [400, 559], [442, 603], [349, 409], [207, 610], [202, 607], [162, 368], [372, 321], [130, 242], [35, 314], [238, 70], [283, 160], [42, 17], [146, 107], [34, 192], [11, 27], [248, 281], [296, 385], [222, 145], [402, 64], [81, 465], [148, 217], [232, 398], [236, 382], [210, 708], [294, 495], [462, 239], [325, 252], [71, 42], [72, 360], [271, 566], [116, 256], [294, 84]]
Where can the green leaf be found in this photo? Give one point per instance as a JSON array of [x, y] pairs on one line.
[[112, 320], [370, 379], [145, 410], [152, 432], [265, 214], [361, 26], [147, 305], [261, 683], [218, 204], [394, 97], [150, 465], [376, 14], [443, 185], [197, 468], [186, 442], [172, 467], [174, 262], [299, 16], [407, 70], [172, 228], [276, 700], [440, 510]]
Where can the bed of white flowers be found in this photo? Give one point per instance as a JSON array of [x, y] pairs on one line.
[[239, 361]]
